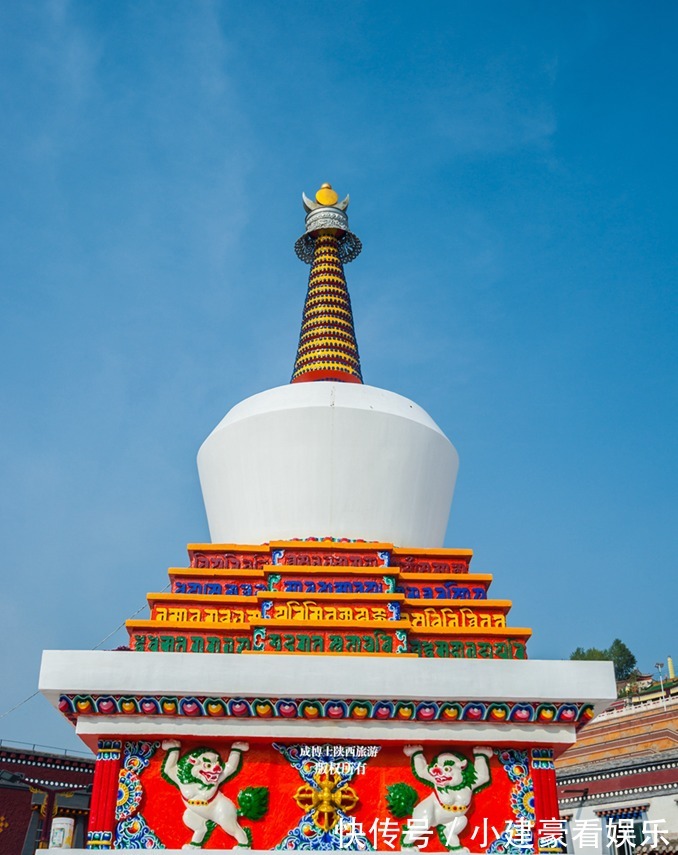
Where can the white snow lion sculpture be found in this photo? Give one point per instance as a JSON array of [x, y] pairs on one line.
[[198, 776], [454, 780]]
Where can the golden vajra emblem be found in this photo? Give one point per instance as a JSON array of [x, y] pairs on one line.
[[326, 799]]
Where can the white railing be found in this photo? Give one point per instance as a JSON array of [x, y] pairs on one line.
[[643, 706]]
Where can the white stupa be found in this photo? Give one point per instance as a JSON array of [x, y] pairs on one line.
[[386, 650]]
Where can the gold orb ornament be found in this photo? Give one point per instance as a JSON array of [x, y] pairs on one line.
[[326, 195]]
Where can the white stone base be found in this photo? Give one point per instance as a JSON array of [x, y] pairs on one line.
[[307, 676]]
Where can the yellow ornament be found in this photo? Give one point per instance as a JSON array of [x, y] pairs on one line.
[[326, 195], [325, 799]]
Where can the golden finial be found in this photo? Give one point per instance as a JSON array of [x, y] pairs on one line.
[[326, 195], [326, 213]]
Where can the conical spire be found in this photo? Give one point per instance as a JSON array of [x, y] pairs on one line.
[[327, 346]]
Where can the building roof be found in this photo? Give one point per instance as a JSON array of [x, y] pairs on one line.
[[53, 769], [623, 756]]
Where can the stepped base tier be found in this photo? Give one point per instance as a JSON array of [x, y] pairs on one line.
[[323, 695]]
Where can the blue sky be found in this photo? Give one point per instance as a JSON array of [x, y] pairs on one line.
[[512, 174]]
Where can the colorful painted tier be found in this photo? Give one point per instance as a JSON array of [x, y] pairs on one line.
[[329, 597], [322, 752]]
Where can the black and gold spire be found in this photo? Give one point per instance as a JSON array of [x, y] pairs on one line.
[[327, 345]]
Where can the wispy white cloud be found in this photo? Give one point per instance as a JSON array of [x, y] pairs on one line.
[[490, 114]]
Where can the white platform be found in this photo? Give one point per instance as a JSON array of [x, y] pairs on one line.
[[299, 676], [328, 460], [317, 676]]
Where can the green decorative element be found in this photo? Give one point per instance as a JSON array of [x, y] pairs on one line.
[[442, 649], [450, 711], [468, 775], [184, 767], [427, 649], [385, 641], [390, 582], [353, 644], [401, 638], [311, 709], [129, 700], [369, 644], [258, 638], [401, 799], [215, 702], [518, 650], [405, 710], [422, 780], [336, 644], [501, 650], [242, 643], [273, 581], [485, 650], [210, 828], [361, 706], [253, 803], [442, 837], [501, 712]]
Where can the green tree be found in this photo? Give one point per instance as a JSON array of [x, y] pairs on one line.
[[624, 660], [591, 653], [618, 653]]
